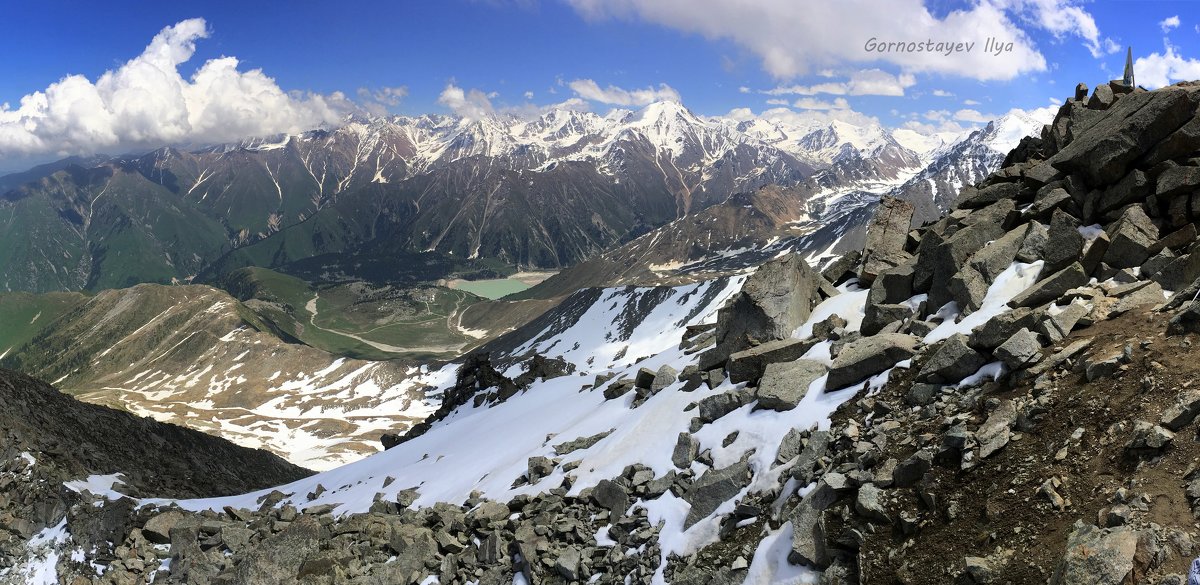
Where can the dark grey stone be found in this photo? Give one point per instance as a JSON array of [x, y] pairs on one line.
[[784, 385], [869, 356], [953, 361]]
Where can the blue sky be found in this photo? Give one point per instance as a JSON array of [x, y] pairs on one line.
[[471, 56]]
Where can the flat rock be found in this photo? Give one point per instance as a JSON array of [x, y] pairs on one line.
[[748, 365], [1177, 180], [714, 488], [1183, 412], [1051, 288], [869, 356], [1000, 328], [1150, 295], [784, 385], [996, 257], [878, 316]]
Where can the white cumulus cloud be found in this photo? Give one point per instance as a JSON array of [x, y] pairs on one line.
[[1169, 23], [808, 103], [1160, 69], [969, 115], [865, 82], [1062, 18], [590, 90], [147, 102], [794, 38], [472, 103]]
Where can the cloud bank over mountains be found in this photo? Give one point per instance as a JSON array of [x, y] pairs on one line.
[[148, 102], [813, 53]]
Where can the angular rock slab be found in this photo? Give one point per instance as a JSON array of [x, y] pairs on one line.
[[784, 385], [869, 356]]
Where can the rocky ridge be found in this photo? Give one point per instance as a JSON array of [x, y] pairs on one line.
[[1006, 393]]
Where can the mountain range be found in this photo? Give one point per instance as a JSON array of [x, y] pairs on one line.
[[419, 198], [345, 287]]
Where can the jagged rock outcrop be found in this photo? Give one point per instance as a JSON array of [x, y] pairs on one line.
[[772, 304]]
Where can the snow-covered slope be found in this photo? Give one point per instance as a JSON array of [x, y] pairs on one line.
[[195, 356]]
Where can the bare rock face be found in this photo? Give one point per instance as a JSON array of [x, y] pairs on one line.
[[1128, 130], [775, 300], [1097, 556], [886, 237]]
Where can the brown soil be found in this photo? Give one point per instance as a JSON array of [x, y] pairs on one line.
[[998, 504]]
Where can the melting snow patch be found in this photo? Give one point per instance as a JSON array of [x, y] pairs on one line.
[[40, 568], [992, 370], [770, 565], [1010, 283], [850, 305], [98, 485]]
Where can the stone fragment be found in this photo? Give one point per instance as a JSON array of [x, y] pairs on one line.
[[748, 365], [1131, 238], [1064, 243], [1052, 287], [1020, 351], [975, 198], [1102, 98], [995, 432], [869, 356], [1177, 180], [784, 385], [1148, 439], [876, 317], [886, 236], [953, 361], [1183, 411], [912, 470], [1096, 556], [1132, 188], [869, 504], [1034, 243], [665, 376], [714, 488], [687, 448], [773, 303], [1102, 153]]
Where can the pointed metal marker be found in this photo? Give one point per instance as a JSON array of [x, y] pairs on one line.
[[1128, 80]]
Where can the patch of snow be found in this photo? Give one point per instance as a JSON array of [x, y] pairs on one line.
[[993, 370], [770, 565], [1010, 283]]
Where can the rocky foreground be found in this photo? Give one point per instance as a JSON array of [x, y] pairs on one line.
[[1013, 401]]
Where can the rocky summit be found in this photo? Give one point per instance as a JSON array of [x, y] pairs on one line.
[[1006, 394]]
